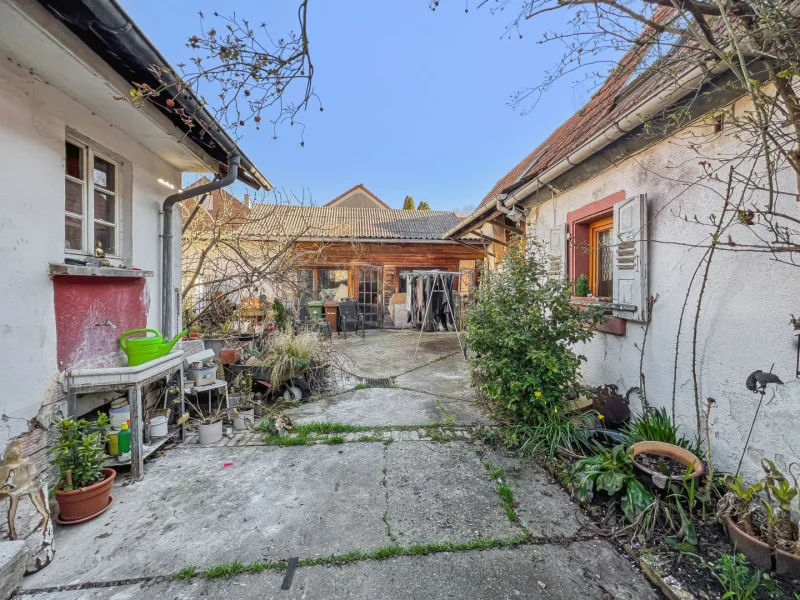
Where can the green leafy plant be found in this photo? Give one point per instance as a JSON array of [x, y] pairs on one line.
[[611, 471], [736, 578], [582, 288], [521, 332], [553, 430], [80, 451], [655, 425]]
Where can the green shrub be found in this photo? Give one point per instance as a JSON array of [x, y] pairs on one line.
[[80, 451], [521, 330]]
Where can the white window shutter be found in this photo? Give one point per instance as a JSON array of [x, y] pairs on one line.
[[558, 251], [629, 241]]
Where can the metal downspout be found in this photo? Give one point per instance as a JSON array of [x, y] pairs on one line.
[[167, 317]]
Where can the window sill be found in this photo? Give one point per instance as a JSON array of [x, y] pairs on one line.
[[84, 271], [612, 325]]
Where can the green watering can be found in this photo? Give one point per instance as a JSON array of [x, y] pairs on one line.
[[144, 349]]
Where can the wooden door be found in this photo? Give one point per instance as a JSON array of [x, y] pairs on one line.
[[369, 295]]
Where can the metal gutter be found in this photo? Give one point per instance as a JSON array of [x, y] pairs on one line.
[[627, 123], [112, 19], [167, 315]]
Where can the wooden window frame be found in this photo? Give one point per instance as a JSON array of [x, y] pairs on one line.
[[578, 224], [88, 220], [595, 229]]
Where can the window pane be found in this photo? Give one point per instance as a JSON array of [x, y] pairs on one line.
[[73, 234], [104, 206], [104, 174], [74, 162], [605, 267], [73, 197], [105, 234]]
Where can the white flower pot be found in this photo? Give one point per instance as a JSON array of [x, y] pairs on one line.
[[242, 419], [211, 434]]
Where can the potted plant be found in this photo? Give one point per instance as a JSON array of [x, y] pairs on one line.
[[759, 520], [240, 399], [661, 461], [209, 426], [291, 355], [84, 489]]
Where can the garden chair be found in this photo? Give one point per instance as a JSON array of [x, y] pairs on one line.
[[349, 315]]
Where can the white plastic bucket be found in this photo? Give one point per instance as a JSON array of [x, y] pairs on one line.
[[119, 414], [158, 426], [242, 419]]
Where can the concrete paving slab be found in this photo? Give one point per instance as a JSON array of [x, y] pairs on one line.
[[441, 493], [447, 377], [272, 503], [545, 509], [391, 353], [590, 570], [371, 407]]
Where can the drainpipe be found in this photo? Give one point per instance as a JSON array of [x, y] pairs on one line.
[[167, 317]]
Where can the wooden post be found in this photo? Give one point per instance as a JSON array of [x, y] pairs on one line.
[[183, 403], [137, 446]]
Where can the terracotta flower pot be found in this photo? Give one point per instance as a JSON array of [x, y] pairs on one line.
[[672, 451], [228, 356], [759, 553], [85, 503]]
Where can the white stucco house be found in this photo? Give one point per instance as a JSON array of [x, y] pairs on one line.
[[80, 164], [618, 195]]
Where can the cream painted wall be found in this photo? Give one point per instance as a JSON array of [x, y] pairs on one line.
[[34, 118], [744, 323]]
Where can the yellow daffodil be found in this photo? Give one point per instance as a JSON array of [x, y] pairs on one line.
[[556, 410], [537, 394], [601, 417]]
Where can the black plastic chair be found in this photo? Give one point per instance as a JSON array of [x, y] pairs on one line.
[[349, 315]]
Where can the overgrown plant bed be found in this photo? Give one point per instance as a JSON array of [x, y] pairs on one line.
[[684, 570], [667, 562]]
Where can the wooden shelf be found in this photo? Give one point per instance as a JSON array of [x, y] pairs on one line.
[[148, 449], [85, 271]]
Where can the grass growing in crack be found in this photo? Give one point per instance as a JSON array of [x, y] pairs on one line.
[[370, 438], [337, 439], [360, 386], [232, 569], [185, 574], [228, 570], [325, 428], [503, 490], [225, 571], [418, 550]]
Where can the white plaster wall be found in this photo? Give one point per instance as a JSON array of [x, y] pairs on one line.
[[34, 118], [744, 322]]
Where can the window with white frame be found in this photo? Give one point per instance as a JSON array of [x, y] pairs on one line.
[[91, 200]]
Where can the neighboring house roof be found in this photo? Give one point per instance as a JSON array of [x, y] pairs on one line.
[[342, 222], [358, 197], [105, 27], [617, 97]]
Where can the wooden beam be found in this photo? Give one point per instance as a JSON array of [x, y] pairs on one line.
[[489, 238], [487, 252], [507, 227]]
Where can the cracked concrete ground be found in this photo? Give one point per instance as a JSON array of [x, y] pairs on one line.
[[272, 503]]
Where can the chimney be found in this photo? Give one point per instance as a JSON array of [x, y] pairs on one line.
[[248, 202]]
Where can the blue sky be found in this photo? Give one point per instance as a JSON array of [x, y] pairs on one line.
[[416, 102]]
